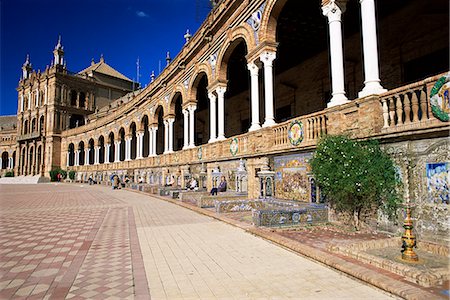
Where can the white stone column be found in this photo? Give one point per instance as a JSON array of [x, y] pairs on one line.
[[370, 50], [86, 156], [186, 129], [68, 157], [117, 151], [11, 163], [140, 145], [152, 139], [128, 148], [76, 162], [170, 136], [333, 12], [107, 151], [212, 117], [254, 82], [166, 136], [191, 109], [267, 57], [221, 112], [97, 155]]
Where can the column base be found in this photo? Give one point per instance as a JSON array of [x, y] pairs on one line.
[[128, 159], [152, 155], [191, 147], [254, 127], [140, 157], [372, 88], [221, 138], [338, 99], [211, 141], [185, 147], [269, 123]]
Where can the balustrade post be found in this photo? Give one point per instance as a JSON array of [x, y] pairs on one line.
[[399, 110], [423, 104], [415, 106], [385, 113], [407, 108]]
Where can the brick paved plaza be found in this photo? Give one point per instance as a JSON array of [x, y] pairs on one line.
[[74, 241]]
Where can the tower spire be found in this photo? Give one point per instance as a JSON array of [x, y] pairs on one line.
[[26, 68], [58, 53]]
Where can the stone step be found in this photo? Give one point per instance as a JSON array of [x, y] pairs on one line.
[[30, 179]]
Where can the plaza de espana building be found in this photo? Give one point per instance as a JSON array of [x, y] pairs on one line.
[[252, 91]]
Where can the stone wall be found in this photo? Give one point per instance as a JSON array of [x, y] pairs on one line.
[[432, 211]]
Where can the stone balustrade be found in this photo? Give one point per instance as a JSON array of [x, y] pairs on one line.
[[408, 107]]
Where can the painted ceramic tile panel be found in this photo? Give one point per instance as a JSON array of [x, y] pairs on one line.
[[291, 180], [438, 182]]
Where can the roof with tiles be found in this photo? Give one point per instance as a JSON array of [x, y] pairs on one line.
[[103, 68]]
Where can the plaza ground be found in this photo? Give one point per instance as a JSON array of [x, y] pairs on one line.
[[78, 241]]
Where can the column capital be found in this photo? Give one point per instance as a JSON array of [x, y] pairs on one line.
[[220, 90], [253, 68], [267, 57], [170, 120], [333, 9], [333, 6], [185, 111], [212, 97], [191, 107]]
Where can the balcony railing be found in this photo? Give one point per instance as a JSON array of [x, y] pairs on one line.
[[408, 107], [28, 136]]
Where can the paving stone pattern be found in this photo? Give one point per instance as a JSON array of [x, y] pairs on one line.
[[89, 242]]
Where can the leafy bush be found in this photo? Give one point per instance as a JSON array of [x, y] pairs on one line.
[[9, 174], [54, 174], [72, 175], [356, 177]]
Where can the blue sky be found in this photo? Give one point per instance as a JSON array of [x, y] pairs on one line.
[[121, 30]]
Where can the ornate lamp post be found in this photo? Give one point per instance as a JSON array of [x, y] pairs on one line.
[[408, 238]]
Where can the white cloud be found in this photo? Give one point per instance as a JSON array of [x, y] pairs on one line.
[[141, 14]]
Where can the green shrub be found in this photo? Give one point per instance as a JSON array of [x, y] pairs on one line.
[[9, 174], [72, 175], [54, 174], [356, 177]]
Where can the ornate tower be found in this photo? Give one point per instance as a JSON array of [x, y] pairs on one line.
[[58, 53], [26, 68]]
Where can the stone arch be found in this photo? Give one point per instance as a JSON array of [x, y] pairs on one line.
[[5, 160], [143, 120], [242, 32], [268, 28], [91, 155], [71, 150], [179, 90], [33, 125], [112, 146], [41, 124], [81, 158], [121, 138], [101, 152], [154, 117], [132, 133], [201, 69], [143, 126]]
